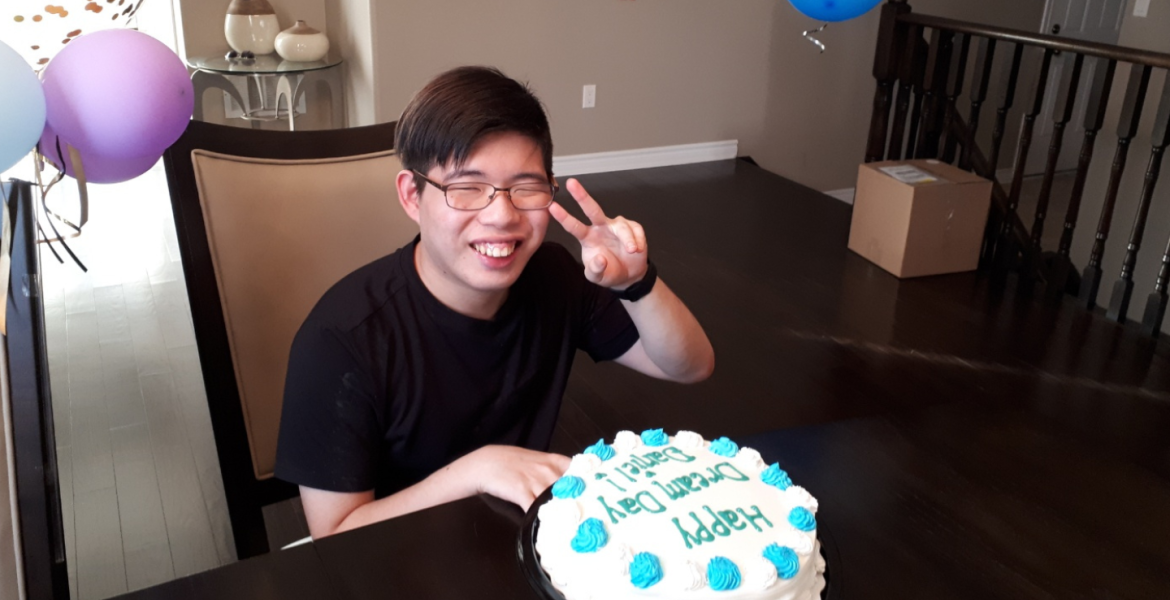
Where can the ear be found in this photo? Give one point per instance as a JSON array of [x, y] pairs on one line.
[[408, 194]]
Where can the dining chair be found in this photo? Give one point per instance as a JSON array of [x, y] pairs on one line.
[[267, 221]]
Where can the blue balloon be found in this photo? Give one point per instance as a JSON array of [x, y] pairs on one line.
[[834, 10], [22, 108]]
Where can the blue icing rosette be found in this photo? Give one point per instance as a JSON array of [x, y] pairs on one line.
[[645, 570], [802, 519], [776, 476], [601, 449], [722, 574], [724, 447], [654, 437], [591, 536], [569, 486], [785, 559]]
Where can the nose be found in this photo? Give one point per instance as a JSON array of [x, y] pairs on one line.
[[499, 213]]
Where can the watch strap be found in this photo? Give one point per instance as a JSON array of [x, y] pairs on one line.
[[639, 289]]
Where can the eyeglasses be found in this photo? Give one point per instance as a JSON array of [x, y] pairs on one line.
[[477, 196]]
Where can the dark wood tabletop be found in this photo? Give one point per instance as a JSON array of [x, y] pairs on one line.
[[950, 501], [963, 441]]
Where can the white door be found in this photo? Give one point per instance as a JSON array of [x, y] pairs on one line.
[[1089, 20]]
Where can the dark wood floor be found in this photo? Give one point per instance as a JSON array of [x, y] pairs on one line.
[[814, 334], [817, 333]]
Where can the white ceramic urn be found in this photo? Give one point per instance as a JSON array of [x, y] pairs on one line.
[[301, 43], [251, 26]]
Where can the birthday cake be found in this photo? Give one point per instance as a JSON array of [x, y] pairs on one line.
[[654, 516]]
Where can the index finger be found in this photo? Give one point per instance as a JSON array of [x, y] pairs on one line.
[[588, 204], [570, 223]]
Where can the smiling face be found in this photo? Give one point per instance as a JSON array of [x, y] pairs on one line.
[[469, 259]]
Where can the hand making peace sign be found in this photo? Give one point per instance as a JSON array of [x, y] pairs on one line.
[[612, 250]]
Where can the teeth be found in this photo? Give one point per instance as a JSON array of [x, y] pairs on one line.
[[496, 250]]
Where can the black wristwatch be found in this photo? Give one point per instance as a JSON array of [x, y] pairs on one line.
[[639, 290]]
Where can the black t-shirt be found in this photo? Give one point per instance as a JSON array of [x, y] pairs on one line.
[[386, 385]]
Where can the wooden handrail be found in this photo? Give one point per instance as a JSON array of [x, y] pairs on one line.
[[1042, 40]]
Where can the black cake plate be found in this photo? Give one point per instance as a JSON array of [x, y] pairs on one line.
[[530, 560]]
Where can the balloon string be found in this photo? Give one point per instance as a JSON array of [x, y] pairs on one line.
[[49, 214], [807, 35]]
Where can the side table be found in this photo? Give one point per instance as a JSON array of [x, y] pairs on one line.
[[290, 79]]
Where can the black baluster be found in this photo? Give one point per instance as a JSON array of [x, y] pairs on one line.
[[1098, 103], [1066, 96], [1008, 246], [1010, 76], [919, 69], [1123, 287], [891, 37], [906, 76], [1127, 125], [934, 84], [980, 79], [956, 76], [1157, 300]]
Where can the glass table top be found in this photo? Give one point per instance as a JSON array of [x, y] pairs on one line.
[[267, 64]]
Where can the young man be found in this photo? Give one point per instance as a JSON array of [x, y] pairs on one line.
[[436, 373]]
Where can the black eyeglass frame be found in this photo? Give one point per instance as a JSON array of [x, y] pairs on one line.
[[492, 196]]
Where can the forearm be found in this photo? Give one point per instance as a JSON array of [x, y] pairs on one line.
[[441, 487], [671, 336], [514, 474]]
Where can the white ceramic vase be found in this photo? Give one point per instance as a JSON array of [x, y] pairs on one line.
[[251, 26], [301, 43]]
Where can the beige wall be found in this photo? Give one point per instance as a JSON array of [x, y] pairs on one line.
[[819, 105], [1147, 33], [667, 71], [671, 71], [350, 34]]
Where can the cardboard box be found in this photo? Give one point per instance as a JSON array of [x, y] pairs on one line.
[[919, 217]]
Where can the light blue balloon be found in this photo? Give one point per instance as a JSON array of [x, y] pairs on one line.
[[22, 108], [834, 10]]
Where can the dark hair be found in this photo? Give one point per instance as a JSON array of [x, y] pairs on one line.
[[450, 114]]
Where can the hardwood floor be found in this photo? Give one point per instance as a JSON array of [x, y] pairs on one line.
[[814, 334], [142, 497]]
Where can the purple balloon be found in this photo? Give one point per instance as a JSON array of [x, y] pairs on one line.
[[118, 93], [98, 169]]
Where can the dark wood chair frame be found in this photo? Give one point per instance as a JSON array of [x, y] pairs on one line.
[[38, 494], [246, 495]]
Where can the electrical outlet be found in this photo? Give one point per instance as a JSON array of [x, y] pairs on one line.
[[589, 96], [1141, 8]]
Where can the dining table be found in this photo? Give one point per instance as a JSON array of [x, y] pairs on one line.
[[949, 501], [963, 440]]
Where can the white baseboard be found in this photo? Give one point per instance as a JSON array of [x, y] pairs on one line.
[[644, 158], [845, 195]]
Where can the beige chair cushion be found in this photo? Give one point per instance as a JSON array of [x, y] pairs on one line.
[[282, 233]]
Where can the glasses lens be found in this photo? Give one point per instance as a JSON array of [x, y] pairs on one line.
[[527, 197], [467, 196]]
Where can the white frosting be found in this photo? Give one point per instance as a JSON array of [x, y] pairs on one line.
[[750, 461], [567, 513], [685, 576], [626, 441], [801, 497], [687, 439], [640, 493], [798, 540], [583, 465]]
